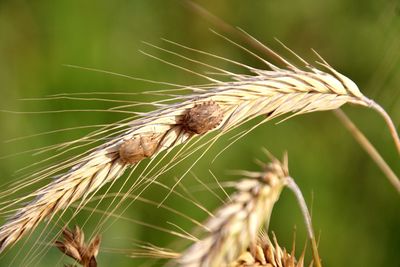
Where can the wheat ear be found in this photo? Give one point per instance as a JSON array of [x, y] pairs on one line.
[[250, 40], [236, 225], [226, 105]]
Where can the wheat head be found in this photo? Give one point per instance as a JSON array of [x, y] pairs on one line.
[[236, 225], [224, 106]]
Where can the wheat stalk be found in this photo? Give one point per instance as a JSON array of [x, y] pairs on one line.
[[369, 148], [226, 105], [236, 225]]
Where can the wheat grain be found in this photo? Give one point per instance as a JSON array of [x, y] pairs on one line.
[[236, 225], [271, 93]]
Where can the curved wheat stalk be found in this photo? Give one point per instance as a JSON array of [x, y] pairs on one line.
[[369, 148], [226, 105], [236, 225]]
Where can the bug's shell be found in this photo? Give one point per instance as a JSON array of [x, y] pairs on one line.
[[203, 117], [137, 148]]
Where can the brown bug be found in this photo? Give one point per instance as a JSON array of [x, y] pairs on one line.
[[203, 117], [137, 148]]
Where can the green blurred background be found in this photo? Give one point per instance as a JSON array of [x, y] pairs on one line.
[[355, 209]]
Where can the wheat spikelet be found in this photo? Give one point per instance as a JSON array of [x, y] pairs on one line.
[[268, 254], [271, 93], [73, 245], [236, 225], [263, 253], [232, 239]]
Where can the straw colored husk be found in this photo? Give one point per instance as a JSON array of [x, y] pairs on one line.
[[267, 253], [73, 245]]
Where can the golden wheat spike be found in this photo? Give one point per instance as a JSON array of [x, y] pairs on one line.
[[236, 225], [223, 107], [233, 236]]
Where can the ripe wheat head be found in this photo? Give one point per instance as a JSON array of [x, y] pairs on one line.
[[219, 106]]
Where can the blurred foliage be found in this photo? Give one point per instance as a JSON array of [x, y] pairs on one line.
[[355, 209]]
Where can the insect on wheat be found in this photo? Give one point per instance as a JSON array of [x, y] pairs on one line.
[[203, 117]]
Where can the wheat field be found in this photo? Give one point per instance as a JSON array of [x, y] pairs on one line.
[[355, 209]]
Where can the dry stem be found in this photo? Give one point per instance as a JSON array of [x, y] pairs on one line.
[[369, 148], [389, 123], [291, 184]]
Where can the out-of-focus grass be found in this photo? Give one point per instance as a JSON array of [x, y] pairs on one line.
[[354, 207]]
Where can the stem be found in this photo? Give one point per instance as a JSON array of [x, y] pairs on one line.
[[307, 219], [369, 148], [389, 122]]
